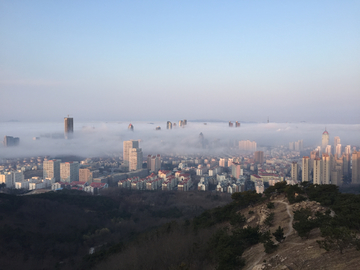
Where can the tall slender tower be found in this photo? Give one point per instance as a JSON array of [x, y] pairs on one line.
[[355, 168], [69, 127], [336, 142], [305, 169], [294, 171], [326, 168], [324, 140], [317, 171]]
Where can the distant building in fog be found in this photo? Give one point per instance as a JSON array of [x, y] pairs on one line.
[[324, 140], [259, 157], [11, 141], [69, 127], [247, 146], [169, 125]]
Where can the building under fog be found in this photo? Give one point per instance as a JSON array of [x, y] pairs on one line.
[[11, 141], [69, 127], [324, 140]]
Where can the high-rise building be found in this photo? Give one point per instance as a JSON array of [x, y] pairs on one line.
[[305, 169], [336, 142], [69, 127], [347, 150], [132, 155], [155, 163], [131, 127], [11, 141], [324, 140], [85, 175], [317, 171], [328, 149], [338, 150], [236, 170], [135, 159], [248, 146], [294, 171], [169, 125], [237, 124], [69, 171], [326, 169], [355, 158], [126, 150], [51, 169], [259, 157], [148, 162], [223, 162]]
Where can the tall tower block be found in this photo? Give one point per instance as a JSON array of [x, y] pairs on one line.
[[69, 127]]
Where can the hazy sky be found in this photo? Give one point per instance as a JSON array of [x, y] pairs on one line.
[[170, 60]]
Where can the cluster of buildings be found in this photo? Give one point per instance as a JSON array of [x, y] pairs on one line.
[[325, 166], [182, 123], [237, 124], [163, 180], [247, 146], [296, 146]]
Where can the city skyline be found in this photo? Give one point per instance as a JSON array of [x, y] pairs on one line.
[[291, 61]]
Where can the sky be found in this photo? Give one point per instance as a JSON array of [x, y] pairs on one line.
[[290, 61]]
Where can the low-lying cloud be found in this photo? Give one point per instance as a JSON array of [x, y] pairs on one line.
[[93, 139]]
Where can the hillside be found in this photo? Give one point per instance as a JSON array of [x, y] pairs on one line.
[[57, 229], [237, 235], [289, 227]]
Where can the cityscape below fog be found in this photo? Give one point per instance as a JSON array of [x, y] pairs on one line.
[[183, 155]]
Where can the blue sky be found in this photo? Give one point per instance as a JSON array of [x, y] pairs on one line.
[[169, 60]]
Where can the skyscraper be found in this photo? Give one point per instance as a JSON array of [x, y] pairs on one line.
[[338, 150], [326, 169], [132, 156], [305, 169], [324, 140], [355, 167], [51, 169], [317, 171], [69, 127], [155, 163], [336, 142], [247, 145], [328, 149], [69, 171], [135, 159], [259, 157], [11, 141], [169, 125], [294, 171]]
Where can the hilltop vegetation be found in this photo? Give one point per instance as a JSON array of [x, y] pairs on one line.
[[178, 230]]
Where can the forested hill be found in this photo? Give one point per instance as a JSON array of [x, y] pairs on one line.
[[289, 227]]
